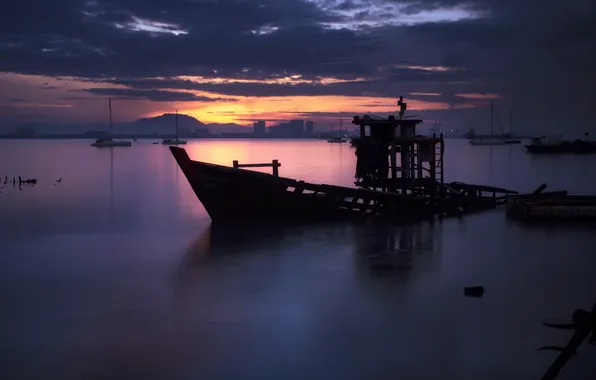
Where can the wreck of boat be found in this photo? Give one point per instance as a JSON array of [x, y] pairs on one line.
[[399, 175]]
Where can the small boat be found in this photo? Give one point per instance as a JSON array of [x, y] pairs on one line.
[[556, 145], [174, 140], [108, 142], [510, 139], [492, 139], [337, 140], [580, 207], [487, 141]]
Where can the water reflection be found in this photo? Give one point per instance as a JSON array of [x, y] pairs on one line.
[[390, 249]]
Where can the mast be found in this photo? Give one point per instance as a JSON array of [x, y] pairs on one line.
[[340, 122], [511, 122], [110, 106], [176, 124], [491, 119]]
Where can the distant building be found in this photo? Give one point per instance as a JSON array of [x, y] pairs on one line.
[[291, 129], [296, 128], [259, 128], [310, 128]]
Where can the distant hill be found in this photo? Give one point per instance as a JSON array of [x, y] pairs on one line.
[[165, 124], [217, 128]]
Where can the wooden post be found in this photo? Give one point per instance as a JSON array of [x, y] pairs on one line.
[[275, 165], [235, 163]]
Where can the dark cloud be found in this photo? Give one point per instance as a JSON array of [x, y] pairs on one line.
[[153, 95], [530, 51]]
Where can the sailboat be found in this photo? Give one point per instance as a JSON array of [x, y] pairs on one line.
[[338, 139], [511, 140], [108, 142], [175, 140], [492, 140]]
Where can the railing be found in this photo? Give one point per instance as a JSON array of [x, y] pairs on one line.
[[274, 164]]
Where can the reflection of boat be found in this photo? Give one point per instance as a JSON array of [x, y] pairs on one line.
[[397, 248], [107, 142], [174, 140]]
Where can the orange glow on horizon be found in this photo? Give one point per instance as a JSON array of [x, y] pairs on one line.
[[290, 107]]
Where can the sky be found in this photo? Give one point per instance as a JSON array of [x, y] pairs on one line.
[[243, 60]]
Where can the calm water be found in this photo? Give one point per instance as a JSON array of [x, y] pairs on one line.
[[116, 273]]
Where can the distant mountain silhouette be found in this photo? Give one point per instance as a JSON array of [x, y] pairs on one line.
[[228, 128], [166, 124], [163, 125]]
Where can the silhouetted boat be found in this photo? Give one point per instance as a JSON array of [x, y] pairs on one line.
[[230, 194], [557, 207], [108, 142], [492, 139], [556, 145], [337, 140], [414, 190], [174, 140]]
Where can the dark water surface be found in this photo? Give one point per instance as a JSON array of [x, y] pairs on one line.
[[117, 273]]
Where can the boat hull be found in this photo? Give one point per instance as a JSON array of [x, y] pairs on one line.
[[552, 208], [179, 142], [231, 195], [112, 144], [562, 149]]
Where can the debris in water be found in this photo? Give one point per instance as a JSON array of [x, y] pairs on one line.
[[474, 291]]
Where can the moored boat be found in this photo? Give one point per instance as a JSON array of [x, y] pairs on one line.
[[579, 207], [556, 145], [108, 142], [337, 140], [174, 140]]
